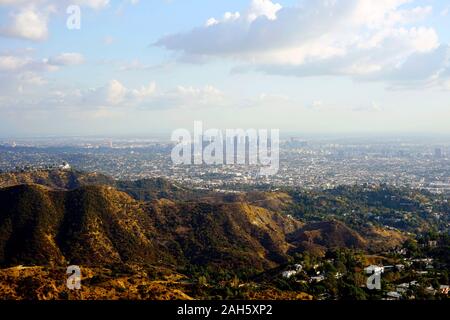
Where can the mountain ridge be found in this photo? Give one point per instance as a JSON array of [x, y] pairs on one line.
[[99, 224]]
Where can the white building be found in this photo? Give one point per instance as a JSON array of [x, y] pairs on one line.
[[65, 166], [288, 274], [393, 295]]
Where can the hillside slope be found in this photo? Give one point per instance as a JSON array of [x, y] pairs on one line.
[[60, 217], [98, 225], [57, 179]]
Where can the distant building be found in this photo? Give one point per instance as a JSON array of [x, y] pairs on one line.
[[402, 287], [400, 267], [438, 153], [432, 244], [289, 274], [298, 267], [317, 279], [388, 268], [65, 166], [444, 289], [297, 143], [393, 295]]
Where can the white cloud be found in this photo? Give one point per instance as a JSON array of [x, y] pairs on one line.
[[258, 8], [144, 92], [20, 2], [116, 92], [357, 38], [29, 19], [230, 16], [22, 74], [11, 63], [67, 59], [211, 22], [31, 78], [28, 23], [95, 4], [265, 8], [114, 95], [21, 63], [179, 97], [191, 96]]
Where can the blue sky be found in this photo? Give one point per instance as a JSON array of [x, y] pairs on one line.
[[140, 67]]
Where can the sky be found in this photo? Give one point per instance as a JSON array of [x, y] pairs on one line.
[[138, 67]]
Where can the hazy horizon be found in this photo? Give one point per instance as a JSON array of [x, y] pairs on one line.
[[382, 137]]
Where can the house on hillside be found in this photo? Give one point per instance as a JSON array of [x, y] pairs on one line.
[[317, 279], [400, 267], [65, 166], [444, 289], [393, 295], [288, 274]]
